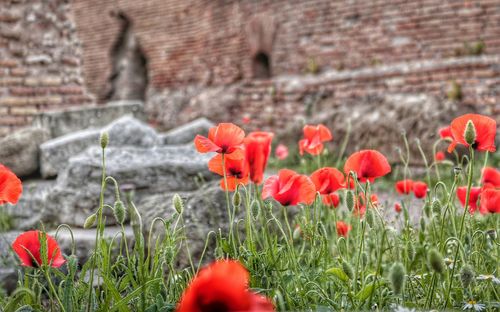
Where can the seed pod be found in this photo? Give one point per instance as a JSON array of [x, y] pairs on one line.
[[119, 212], [397, 276], [470, 133], [349, 200], [347, 268], [104, 139], [466, 275], [178, 203], [435, 260], [89, 222]]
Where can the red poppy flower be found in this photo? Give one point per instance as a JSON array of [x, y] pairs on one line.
[[360, 203], [368, 165], [445, 132], [404, 186], [419, 189], [331, 200], [289, 188], [327, 180], [10, 186], [474, 196], [397, 207], [486, 128], [222, 286], [236, 170], [27, 246], [281, 152], [490, 201], [314, 136], [439, 156], [491, 177], [342, 228], [225, 138], [257, 149]]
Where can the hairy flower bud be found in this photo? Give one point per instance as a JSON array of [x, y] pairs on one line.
[[349, 200], [470, 133], [347, 268], [255, 210], [89, 222], [236, 198], [178, 203], [72, 264], [369, 217], [466, 275], [410, 251], [397, 276], [427, 209], [422, 224], [119, 212], [436, 207], [104, 139], [435, 260]]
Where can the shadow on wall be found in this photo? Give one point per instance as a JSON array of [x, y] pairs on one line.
[[129, 76]]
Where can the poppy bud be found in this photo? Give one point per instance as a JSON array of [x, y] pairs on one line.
[[364, 258], [178, 203], [72, 264], [435, 260], [89, 222], [422, 224], [397, 276], [427, 209], [410, 251], [466, 275], [369, 218], [237, 198], [104, 139], [436, 206], [347, 268], [349, 200], [119, 212], [255, 210], [470, 133]]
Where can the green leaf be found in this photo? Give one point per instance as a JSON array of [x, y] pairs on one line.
[[364, 293], [339, 273]]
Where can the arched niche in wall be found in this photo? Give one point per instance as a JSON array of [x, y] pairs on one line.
[[260, 32]]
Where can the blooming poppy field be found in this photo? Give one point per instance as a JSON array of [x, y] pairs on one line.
[[319, 240]]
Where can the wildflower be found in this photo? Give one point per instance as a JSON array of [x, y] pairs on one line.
[[328, 180], [466, 275], [489, 277], [445, 133], [10, 186], [473, 197], [360, 204], [314, 136], [490, 201], [368, 165], [257, 150], [281, 152], [439, 156], [289, 188], [222, 286], [491, 177], [397, 207], [236, 170], [225, 138], [484, 129], [342, 228], [27, 246], [404, 186], [473, 305], [419, 189], [331, 200]]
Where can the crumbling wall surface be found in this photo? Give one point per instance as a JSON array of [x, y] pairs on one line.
[[40, 61]]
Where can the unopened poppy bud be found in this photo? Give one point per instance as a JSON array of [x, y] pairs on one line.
[[255, 210], [435, 260], [397, 276], [347, 268], [436, 207], [72, 264], [466, 275], [422, 224], [237, 198], [427, 209], [364, 258], [89, 222], [410, 251], [369, 217], [178, 203], [119, 212], [104, 139], [470, 133], [349, 200]]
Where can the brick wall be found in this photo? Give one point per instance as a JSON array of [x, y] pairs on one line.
[[39, 61]]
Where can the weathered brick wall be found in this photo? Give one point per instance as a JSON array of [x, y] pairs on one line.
[[39, 60]]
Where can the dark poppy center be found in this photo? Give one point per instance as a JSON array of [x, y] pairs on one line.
[[214, 306], [475, 145], [235, 173]]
